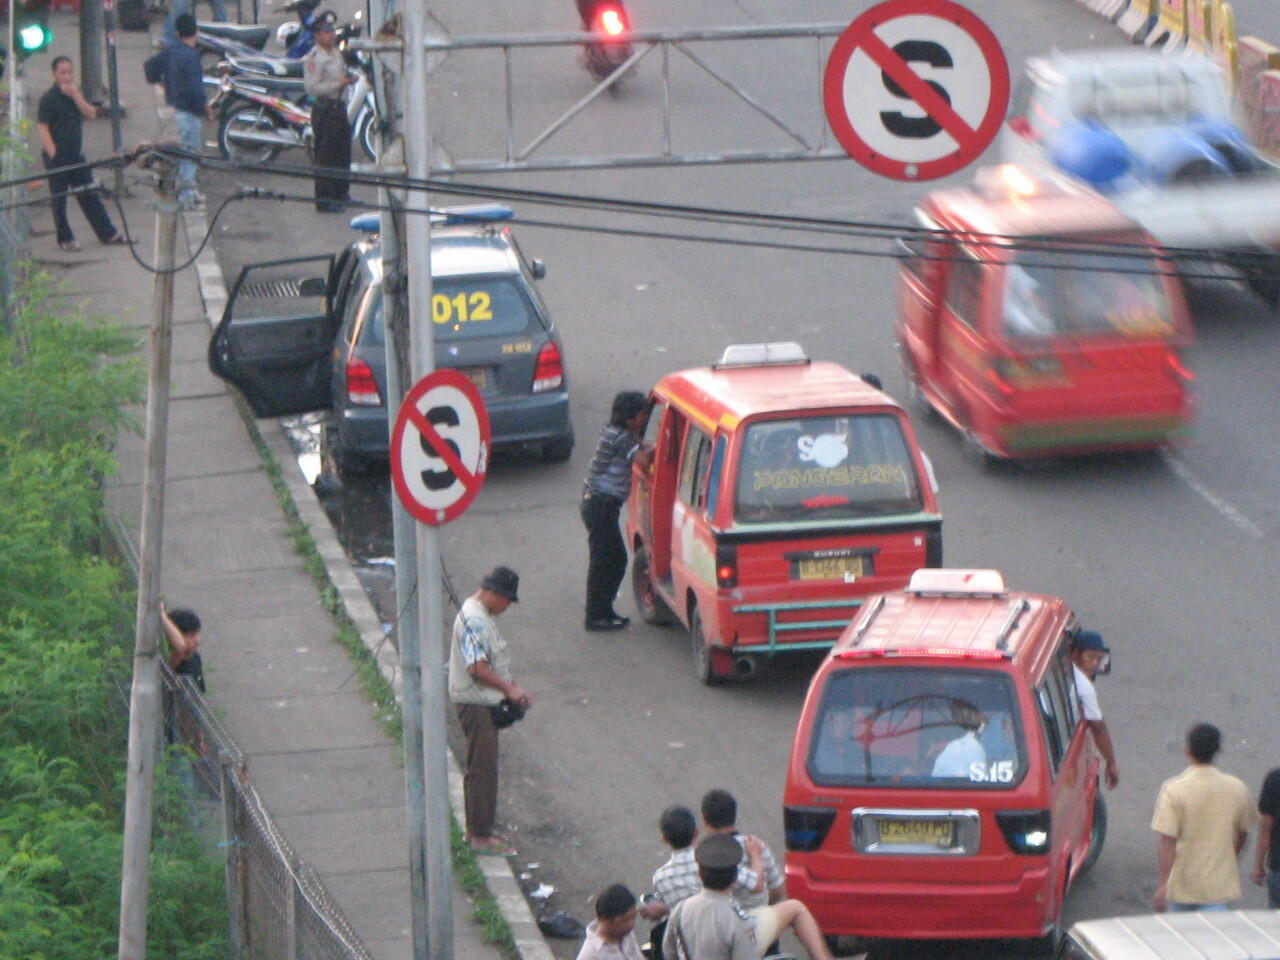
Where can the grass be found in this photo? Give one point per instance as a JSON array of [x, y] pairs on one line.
[[486, 913]]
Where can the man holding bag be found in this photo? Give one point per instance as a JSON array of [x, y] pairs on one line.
[[480, 684]]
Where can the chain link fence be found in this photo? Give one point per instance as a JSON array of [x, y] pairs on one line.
[[277, 906]]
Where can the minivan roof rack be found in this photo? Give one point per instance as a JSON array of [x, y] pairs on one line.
[[761, 355]]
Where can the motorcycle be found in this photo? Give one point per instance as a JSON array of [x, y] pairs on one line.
[[298, 38], [609, 47], [218, 41], [260, 116]]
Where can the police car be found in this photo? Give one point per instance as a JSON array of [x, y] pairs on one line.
[[309, 333]]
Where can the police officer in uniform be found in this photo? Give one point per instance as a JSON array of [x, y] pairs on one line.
[[325, 76]]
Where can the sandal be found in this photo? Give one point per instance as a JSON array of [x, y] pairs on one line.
[[118, 240], [70, 246]]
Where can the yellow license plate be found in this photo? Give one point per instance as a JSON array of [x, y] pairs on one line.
[[477, 376], [829, 568], [930, 833]]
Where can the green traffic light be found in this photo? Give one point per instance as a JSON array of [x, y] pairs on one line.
[[33, 37]]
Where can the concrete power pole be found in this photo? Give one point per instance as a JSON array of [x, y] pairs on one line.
[[144, 699]]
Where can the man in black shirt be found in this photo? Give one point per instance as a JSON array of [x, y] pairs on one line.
[[1266, 863], [62, 110]]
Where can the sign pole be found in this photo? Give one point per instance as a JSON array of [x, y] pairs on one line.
[[417, 141]]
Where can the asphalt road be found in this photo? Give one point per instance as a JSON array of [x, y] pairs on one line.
[[1171, 557]]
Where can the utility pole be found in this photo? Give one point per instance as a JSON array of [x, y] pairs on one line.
[[91, 49], [408, 635], [430, 597], [113, 87], [144, 698]]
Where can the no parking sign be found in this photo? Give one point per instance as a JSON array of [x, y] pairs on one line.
[[916, 89], [440, 447]]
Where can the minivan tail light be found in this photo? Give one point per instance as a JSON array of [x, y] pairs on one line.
[[1026, 831], [806, 828], [362, 388], [726, 565], [548, 372], [1180, 369]]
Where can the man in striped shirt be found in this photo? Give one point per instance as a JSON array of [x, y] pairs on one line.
[[606, 489]]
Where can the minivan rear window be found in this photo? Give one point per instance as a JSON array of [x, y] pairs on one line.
[[917, 727], [825, 467], [467, 307]]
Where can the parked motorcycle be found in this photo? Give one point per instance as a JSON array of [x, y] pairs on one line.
[[299, 37], [218, 41], [610, 45], [261, 116]]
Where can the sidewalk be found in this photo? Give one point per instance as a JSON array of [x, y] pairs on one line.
[[285, 690]]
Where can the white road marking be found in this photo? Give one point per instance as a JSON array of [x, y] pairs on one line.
[[1233, 515]]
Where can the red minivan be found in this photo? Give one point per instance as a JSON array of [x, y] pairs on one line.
[[942, 783], [1037, 319], [781, 492]]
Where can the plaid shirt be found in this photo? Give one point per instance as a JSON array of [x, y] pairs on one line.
[[678, 879]]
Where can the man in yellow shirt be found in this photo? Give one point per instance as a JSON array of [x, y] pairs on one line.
[[1203, 817]]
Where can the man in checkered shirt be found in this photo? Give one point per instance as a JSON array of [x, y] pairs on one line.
[[678, 879]]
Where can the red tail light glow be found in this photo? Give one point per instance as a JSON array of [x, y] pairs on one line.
[[1179, 369], [611, 21], [362, 388], [548, 372]]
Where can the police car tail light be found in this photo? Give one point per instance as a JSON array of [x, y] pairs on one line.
[[807, 827], [548, 372], [362, 388], [1026, 831], [726, 565]]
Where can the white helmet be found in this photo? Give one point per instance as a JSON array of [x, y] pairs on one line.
[[287, 32]]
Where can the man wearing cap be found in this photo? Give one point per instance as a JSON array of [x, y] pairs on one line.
[[480, 678], [710, 926], [325, 76], [1087, 653]]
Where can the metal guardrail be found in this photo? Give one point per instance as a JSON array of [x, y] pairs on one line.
[[667, 46]]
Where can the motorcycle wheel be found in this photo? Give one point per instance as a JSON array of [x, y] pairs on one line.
[[367, 134], [247, 117]]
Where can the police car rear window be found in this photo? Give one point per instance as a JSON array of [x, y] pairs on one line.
[[467, 307], [920, 727], [825, 467]]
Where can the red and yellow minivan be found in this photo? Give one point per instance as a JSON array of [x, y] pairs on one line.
[[1038, 320], [781, 492], [942, 783]]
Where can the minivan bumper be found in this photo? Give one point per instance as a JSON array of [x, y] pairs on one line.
[[927, 910]]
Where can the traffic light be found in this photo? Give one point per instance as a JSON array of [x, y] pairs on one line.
[[31, 26]]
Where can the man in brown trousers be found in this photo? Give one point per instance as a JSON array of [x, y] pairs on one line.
[[479, 681]]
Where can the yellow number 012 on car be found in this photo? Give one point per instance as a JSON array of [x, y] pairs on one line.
[[462, 307]]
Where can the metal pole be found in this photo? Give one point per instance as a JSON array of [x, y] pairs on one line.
[[144, 700], [408, 634], [430, 606], [113, 86], [228, 788], [91, 49]]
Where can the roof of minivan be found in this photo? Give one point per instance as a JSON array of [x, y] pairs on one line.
[[745, 391], [903, 622], [1200, 935], [1058, 210]]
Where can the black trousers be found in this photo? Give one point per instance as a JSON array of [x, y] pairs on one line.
[[333, 149], [90, 203], [608, 554]]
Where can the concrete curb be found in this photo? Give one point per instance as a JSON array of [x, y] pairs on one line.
[[499, 878]]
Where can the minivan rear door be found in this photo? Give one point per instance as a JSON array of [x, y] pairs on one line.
[[274, 342]]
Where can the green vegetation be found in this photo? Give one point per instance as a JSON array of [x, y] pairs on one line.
[[65, 621]]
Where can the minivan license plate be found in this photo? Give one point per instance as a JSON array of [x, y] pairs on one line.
[[919, 833], [476, 375], [828, 568]]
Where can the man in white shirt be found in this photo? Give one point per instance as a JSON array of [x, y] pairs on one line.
[[611, 935], [1087, 654], [958, 757]]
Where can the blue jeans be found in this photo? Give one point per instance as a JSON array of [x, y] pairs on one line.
[[189, 128], [1273, 889], [179, 7], [1192, 907]]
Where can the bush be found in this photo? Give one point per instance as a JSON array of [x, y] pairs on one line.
[[65, 386]]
